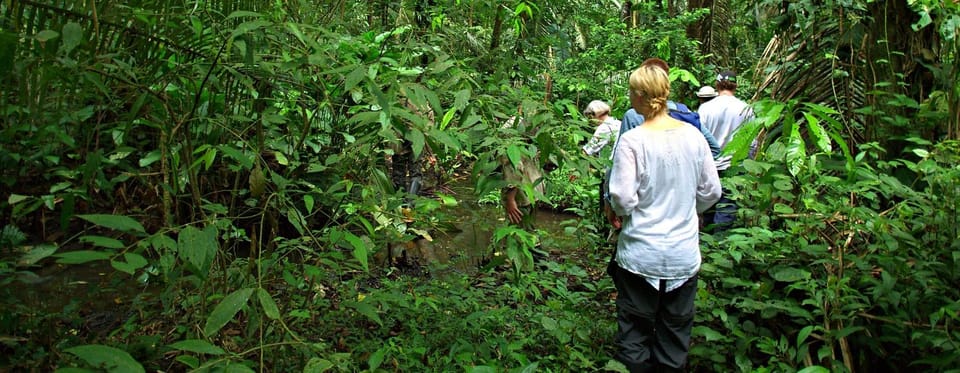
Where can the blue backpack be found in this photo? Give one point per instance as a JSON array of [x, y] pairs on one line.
[[681, 112]]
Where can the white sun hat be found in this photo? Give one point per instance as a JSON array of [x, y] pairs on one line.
[[707, 91]]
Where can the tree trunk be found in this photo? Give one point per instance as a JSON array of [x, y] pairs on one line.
[[699, 30], [626, 14], [893, 40], [497, 30]]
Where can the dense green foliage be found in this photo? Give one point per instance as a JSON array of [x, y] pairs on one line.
[[196, 185]]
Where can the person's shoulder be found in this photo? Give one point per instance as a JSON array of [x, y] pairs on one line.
[[678, 106], [713, 105]]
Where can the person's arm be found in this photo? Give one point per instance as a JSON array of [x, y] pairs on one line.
[[623, 181], [711, 141], [708, 192], [510, 205], [631, 120], [601, 136], [754, 144]]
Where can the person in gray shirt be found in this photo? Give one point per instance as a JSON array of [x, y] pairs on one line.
[[723, 116]]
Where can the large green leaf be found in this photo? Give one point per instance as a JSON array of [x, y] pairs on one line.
[[514, 153], [197, 346], [133, 262], [46, 35], [376, 358], [226, 310], [107, 358], [248, 26], [360, 250], [81, 256], [796, 150], [318, 365], [72, 36], [814, 369], [354, 77], [269, 305], [817, 133], [116, 222], [101, 241], [36, 254], [198, 248], [416, 141], [365, 309], [789, 274]]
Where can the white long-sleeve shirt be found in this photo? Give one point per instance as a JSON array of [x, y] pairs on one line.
[[660, 180]]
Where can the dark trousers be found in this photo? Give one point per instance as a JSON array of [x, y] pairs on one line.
[[653, 326], [721, 216]]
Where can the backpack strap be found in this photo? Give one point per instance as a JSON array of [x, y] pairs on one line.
[[682, 112]]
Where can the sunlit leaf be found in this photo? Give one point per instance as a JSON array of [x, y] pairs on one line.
[[16, 198], [708, 334], [150, 158], [796, 151], [447, 201], [615, 366], [819, 136], [447, 118]]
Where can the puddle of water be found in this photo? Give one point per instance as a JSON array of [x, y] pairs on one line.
[[55, 286], [100, 287], [464, 247]]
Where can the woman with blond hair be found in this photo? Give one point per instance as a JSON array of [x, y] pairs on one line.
[[662, 176]]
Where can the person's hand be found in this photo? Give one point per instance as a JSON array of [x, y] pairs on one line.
[[513, 213], [612, 217]]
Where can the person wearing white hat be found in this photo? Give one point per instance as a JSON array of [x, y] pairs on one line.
[[706, 93], [608, 127], [723, 116]]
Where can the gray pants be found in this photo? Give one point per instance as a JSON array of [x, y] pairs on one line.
[[653, 326]]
